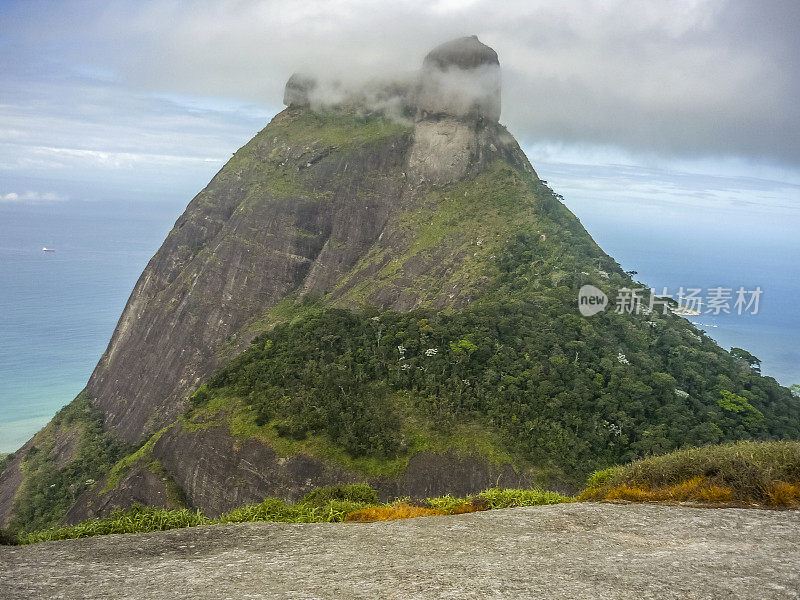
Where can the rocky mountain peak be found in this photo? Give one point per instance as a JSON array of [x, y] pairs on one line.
[[298, 90], [464, 53], [460, 78]]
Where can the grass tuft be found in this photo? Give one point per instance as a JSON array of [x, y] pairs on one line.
[[781, 493], [697, 489], [134, 520], [359, 492], [510, 498], [329, 504]]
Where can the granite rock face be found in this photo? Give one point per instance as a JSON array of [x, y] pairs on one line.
[[242, 245], [457, 102], [140, 485], [10, 480], [298, 90]]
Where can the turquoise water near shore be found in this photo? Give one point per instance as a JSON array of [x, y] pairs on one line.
[[58, 310]]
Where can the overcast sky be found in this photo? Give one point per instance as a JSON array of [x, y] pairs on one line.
[[131, 92]]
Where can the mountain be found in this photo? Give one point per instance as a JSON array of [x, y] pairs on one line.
[[378, 287]]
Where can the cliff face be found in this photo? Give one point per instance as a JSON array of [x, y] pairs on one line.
[[287, 213]]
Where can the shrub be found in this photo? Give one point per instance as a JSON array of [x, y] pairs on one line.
[[626, 492], [781, 493], [357, 492], [7, 538], [133, 520], [271, 509], [275, 510], [457, 506], [598, 478], [764, 473], [508, 498]]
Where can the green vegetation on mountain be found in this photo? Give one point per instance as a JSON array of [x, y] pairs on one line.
[[345, 129], [49, 488], [565, 393], [464, 226], [518, 367]]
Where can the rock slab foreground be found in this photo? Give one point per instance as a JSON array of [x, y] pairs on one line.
[[579, 551]]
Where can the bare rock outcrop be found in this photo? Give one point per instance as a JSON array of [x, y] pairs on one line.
[[298, 90], [459, 95], [460, 79]]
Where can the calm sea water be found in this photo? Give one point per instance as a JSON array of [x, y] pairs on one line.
[[58, 310]]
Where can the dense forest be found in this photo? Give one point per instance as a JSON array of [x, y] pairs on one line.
[[562, 390]]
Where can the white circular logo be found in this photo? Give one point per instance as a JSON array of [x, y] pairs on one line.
[[591, 300]]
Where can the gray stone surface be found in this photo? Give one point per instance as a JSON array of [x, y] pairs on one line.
[[566, 551]]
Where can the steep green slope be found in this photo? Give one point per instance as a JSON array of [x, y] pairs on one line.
[[64, 459], [544, 385]]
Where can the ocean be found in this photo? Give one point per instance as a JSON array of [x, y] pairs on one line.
[[58, 310]]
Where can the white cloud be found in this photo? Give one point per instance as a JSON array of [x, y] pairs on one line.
[[687, 79], [692, 77], [31, 197]]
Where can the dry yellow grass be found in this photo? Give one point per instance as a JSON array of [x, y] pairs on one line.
[[699, 489], [390, 513], [468, 507], [781, 493], [696, 489]]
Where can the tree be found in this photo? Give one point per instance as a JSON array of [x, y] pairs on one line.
[[751, 361]]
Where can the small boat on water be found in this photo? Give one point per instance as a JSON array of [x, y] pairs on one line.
[[48, 249]]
